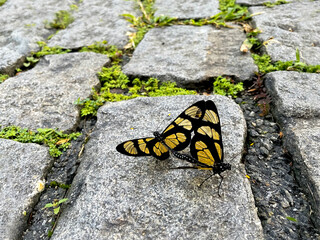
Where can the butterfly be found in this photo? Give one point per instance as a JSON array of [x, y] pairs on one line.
[[206, 146], [176, 136]]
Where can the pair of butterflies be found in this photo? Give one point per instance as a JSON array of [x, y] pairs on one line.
[[206, 146]]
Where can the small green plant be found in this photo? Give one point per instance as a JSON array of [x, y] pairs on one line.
[[113, 81], [278, 2], [292, 219], [225, 86], [55, 205], [62, 19], [2, 2], [265, 65], [55, 140], [102, 47], [3, 77], [60, 185], [30, 61]]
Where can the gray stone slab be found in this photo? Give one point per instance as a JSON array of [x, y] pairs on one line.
[[95, 21], [22, 25], [190, 55], [303, 142], [114, 196], [290, 26], [22, 167], [187, 9], [44, 97], [295, 94]]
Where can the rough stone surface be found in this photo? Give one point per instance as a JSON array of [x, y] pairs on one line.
[[295, 94], [22, 25], [45, 96], [191, 55], [295, 97], [22, 166], [141, 198], [187, 9], [95, 21], [288, 27], [303, 141], [258, 2]]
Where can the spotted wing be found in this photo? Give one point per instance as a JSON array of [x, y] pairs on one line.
[[135, 147], [177, 135], [206, 145]]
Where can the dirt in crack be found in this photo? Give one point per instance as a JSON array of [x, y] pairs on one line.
[[282, 207], [42, 221]]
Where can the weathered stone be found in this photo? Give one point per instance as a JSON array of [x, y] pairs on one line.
[[288, 27], [187, 9], [22, 25], [120, 197], [22, 167], [191, 55], [294, 94], [258, 2], [95, 21], [45, 96], [302, 141]]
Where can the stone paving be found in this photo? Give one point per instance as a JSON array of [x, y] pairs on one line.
[[119, 197]]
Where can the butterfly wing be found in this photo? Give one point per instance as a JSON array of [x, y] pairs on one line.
[[206, 145], [177, 135]]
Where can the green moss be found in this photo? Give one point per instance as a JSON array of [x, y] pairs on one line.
[[265, 65], [3, 77], [55, 140], [103, 48], [2, 2], [146, 21], [60, 185], [62, 19], [113, 79], [278, 2], [225, 87]]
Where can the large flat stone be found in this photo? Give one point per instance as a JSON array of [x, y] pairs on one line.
[[187, 9], [141, 198], [290, 26], [191, 55], [44, 97], [22, 166], [295, 94], [22, 25], [95, 21]]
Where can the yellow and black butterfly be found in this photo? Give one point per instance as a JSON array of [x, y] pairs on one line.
[[206, 146], [176, 136]]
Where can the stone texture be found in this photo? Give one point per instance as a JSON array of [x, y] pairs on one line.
[[191, 55], [303, 140], [44, 97], [22, 166], [95, 21], [187, 9], [119, 197], [295, 100], [290, 26], [259, 2], [294, 94], [22, 25]]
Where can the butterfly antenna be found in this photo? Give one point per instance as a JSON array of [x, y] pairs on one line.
[[220, 185]]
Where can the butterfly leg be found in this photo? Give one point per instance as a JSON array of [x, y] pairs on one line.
[[205, 180], [220, 184]]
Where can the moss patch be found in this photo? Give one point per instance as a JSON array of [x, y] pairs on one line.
[[3, 77], [226, 87], [55, 140], [116, 86]]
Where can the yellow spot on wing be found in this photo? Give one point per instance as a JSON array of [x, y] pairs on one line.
[[219, 150], [185, 123], [130, 148], [204, 154], [210, 132], [211, 116], [143, 146], [159, 148], [193, 112], [168, 128], [175, 139]]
